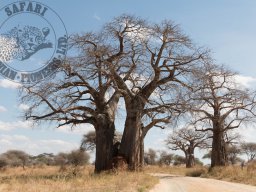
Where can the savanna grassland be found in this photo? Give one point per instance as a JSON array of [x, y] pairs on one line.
[[51, 179], [83, 179], [236, 174]]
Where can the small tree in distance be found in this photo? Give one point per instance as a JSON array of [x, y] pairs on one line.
[[150, 157], [178, 160], [78, 157], [249, 149], [165, 158], [187, 140], [218, 104], [16, 158]]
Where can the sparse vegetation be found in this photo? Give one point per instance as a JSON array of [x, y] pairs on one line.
[[50, 179], [234, 174], [247, 175], [161, 77], [196, 172]]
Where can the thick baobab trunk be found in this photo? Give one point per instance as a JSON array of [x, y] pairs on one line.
[[142, 151], [131, 140], [218, 156], [104, 143], [190, 159], [105, 130]]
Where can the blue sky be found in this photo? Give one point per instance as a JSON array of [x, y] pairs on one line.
[[227, 27]]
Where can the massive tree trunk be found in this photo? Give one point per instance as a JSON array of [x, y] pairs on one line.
[[105, 129], [190, 159], [218, 156], [131, 141], [142, 151]]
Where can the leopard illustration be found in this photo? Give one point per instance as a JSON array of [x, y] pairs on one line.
[[22, 43]]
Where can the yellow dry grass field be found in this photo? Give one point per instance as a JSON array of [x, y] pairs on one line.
[[175, 170], [51, 179], [233, 174], [247, 175]]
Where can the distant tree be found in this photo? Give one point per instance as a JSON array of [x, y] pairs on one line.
[[78, 157], [43, 159], [232, 154], [187, 140], [61, 159], [218, 103], [179, 160], [16, 158], [249, 149], [3, 162], [150, 157], [165, 158]]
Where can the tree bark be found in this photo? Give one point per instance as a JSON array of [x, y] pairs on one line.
[[218, 156], [131, 141], [105, 129], [190, 160], [142, 151], [189, 155]]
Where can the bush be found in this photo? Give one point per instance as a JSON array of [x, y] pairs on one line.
[[16, 158], [3, 162], [78, 157], [196, 172]]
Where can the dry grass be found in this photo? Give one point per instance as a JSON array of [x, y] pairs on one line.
[[247, 175], [234, 174], [50, 179], [175, 170]]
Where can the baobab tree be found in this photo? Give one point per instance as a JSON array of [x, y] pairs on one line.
[[156, 62], [218, 104], [187, 140], [144, 63], [80, 94]]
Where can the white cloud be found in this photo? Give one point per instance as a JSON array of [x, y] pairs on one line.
[[246, 81], [4, 83], [248, 133], [35, 147], [2, 109], [78, 130], [23, 107], [7, 126]]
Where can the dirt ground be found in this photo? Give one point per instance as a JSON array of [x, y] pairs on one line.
[[191, 184]]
